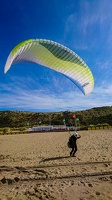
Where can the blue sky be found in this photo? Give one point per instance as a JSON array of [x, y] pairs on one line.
[[85, 26]]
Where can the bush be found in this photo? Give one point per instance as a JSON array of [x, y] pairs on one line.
[[6, 130]]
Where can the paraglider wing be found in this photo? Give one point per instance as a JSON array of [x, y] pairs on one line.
[[56, 57]]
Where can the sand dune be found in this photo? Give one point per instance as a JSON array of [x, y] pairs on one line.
[[38, 166]]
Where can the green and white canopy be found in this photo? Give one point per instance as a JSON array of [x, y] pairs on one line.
[[56, 57]]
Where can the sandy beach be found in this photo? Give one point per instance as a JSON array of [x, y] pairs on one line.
[[38, 166]]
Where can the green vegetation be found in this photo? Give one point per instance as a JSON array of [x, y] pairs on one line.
[[15, 120]]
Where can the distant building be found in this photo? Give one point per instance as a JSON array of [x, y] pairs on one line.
[[41, 129], [50, 128]]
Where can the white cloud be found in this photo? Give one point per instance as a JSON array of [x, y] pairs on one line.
[[39, 100], [93, 18]]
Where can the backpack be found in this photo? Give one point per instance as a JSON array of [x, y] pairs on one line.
[[69, 143]]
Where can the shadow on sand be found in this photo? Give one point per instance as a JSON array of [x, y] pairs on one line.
[[55, 158]]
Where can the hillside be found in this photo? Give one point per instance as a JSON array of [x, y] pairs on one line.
[[94, 116]]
